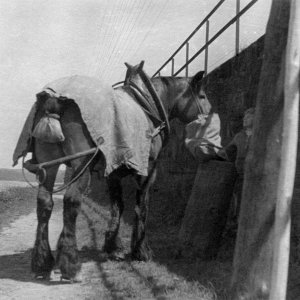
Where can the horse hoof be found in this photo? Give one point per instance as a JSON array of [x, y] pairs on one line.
[[42, 276], [66, 279], [143, 253], [141, 256], [117, 256], [178, 254], [56, 271], [112, 245]]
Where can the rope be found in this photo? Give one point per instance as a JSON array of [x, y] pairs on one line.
[[24, 175]]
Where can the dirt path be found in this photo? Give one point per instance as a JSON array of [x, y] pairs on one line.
[[101, 278]]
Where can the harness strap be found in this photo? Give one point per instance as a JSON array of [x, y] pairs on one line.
[[150, 109], [158, 103], [152, 105], [117, 83], [144, 101]]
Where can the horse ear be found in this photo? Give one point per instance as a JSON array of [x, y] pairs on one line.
[[196, 80], [128, 65], [141, 65], [42, 96]]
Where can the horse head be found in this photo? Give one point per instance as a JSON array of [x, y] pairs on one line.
[[192, 100], [182, 98]]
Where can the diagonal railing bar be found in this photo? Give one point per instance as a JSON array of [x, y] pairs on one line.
[[232, 21], [190, 36]]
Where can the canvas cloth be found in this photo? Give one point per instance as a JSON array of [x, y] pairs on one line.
[[110, 115]]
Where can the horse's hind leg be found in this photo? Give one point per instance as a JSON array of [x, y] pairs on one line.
[[140, 249], [42, 260], [67, 259], [77, 140], [112, 241]]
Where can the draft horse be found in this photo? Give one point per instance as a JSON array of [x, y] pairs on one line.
[[181, 98]]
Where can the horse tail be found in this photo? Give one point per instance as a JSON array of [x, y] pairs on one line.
[[49, 104]]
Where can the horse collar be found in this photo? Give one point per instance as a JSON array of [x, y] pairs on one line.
[[152, 102]]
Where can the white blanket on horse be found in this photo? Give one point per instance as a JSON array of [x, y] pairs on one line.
[[110, 115]]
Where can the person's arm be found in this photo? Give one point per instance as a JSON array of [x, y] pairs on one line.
[[229, 152]]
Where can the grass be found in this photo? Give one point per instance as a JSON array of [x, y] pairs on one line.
[[14, 202], [162, 278], [14, 195], [165, 277]]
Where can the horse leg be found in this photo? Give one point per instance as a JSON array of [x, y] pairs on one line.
[[67, 259], [77, 140], [42, 260], [112, 241], [140, 249]]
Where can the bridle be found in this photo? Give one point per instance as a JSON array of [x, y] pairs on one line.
[[197, 100]]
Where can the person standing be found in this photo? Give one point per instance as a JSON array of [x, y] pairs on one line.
[[236, 152]]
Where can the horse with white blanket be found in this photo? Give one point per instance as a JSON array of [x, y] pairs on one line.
[[128, 136]]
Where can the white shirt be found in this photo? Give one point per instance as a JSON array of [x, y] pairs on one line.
[[204, 134]]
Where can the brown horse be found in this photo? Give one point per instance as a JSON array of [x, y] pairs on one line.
[[182, 98]]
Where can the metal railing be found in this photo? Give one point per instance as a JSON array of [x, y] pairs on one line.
[[208, 40]]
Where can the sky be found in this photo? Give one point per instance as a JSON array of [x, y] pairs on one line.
[[47, 39]]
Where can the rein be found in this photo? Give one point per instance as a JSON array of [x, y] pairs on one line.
[[40, 168]]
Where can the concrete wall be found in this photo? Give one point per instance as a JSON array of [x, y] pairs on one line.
[[231, 89]]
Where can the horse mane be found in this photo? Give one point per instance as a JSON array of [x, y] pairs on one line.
[[191, 83], [171, 81]]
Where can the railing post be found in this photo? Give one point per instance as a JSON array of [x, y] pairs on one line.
[[172, 71], [237, 29], [187, 59], [206, 49]]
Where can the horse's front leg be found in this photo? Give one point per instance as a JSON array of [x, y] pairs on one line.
[[113, 243], [42, 260], [67, 259], [140, 249]]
